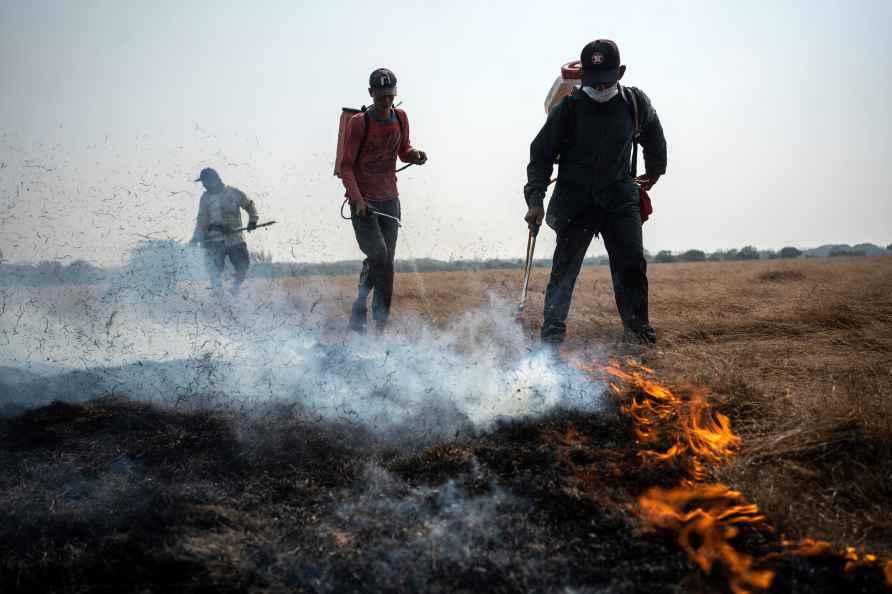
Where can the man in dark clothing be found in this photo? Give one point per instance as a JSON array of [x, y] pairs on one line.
[[373, 141], [592, 131]]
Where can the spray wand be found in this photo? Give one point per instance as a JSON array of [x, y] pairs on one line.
[[531, 248], [372, 211]]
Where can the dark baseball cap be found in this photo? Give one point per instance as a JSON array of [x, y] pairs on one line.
[[207, 174], [382, 82], [600, 63]]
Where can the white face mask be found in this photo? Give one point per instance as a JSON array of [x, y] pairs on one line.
[[602, 96]]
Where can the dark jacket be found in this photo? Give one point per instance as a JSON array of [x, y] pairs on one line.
[[594, 142]]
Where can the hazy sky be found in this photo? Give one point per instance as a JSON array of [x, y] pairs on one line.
[[776, 116]]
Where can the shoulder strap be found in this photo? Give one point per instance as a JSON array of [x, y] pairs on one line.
[[630, 98], [365, 130], [400, 114], [633, 100], [569, 124]]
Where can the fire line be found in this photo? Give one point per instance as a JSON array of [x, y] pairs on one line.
[[705, 516]]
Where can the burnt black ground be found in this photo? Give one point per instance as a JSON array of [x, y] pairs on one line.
[[118, 496]]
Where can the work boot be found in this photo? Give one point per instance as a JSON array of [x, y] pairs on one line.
[[358, 315], [552, 339], [553, 332], [551, 350], [645, 335]]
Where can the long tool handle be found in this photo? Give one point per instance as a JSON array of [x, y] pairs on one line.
[[531, 248], [259, 226]]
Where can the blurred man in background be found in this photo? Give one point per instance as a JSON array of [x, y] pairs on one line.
[[218, 228]]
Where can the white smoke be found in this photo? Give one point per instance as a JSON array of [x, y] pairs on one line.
[[156, 333]]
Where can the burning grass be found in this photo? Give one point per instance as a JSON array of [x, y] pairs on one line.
[[801, 368], [707, 517], [122, 496]]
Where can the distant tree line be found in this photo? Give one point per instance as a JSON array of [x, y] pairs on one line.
[[750, 252], [161, 263], [747, 252], [48, 273]]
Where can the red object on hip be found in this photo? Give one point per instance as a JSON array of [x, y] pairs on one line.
[[644, 204]]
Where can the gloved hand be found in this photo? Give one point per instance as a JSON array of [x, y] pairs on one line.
[[534, 217], [360, 207], [647, 180], [252, 225], [419, 157]]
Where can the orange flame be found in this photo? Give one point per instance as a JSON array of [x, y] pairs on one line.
[[705, 531], [707, 517], [699, 436], [853, 559], [808, 547]]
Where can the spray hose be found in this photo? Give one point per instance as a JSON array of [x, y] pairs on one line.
[[373, 211]]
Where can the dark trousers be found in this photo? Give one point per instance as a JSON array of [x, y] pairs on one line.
[[215, 253], [620, 226], [376, 237]]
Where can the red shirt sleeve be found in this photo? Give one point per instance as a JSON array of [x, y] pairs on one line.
[[405, 143], [355, 130]]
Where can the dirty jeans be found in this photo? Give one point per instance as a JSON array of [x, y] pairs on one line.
[[618, 219], [376, 237], [215, 253]]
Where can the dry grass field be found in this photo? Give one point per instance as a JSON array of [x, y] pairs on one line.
[[115, 493], [798, 353]]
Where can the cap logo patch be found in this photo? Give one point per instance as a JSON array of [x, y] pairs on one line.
[[385, 81], [597, 58]]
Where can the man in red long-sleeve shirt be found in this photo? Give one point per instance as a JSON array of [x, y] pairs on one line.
[[373, 141]]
